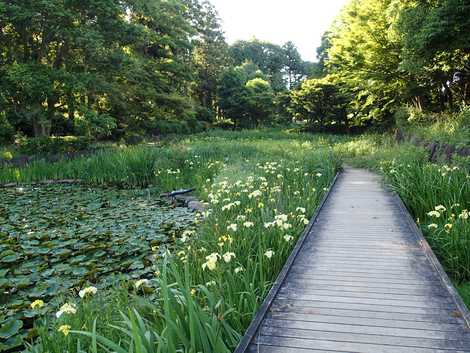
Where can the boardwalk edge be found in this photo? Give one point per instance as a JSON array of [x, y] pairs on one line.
[[464, 311], [264, 308]]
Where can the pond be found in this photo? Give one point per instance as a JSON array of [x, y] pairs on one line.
[[55, 240]]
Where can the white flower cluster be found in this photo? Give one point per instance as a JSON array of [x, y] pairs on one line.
[[280, 221]]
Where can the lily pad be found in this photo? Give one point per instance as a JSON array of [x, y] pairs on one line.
[[10, 328], [56, 238]]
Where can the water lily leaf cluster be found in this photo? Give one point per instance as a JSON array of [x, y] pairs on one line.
[[56, 239]]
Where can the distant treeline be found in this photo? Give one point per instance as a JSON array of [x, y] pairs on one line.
[[110, 69]]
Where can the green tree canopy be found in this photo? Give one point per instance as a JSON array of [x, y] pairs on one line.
[[365, 54], [321, 103], [62, 62], [210, 53], [245, 96]]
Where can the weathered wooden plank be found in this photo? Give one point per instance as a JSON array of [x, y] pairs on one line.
[[308, 292], [435, 316], [270, 349], [377, 274], [437, 326], [341, 252], [362, 306], [355, 259], [431, 303], [363, 251], [344, 346], [371, 257], [305, 286], [364, 338], [385, 265], [369, 330], [364, 281]]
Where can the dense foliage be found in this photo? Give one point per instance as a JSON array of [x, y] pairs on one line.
[[93, 67], [106, 69], [386, 54], [112, 70], [321, 103]]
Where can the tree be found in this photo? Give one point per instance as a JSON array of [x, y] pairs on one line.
[[322, 54], [270, 59], [295, 68], [387, 53], [232, 95], [365, 56], [436, 46], [431, 27], [66, 61], [210, 53], [321, 103], [245, 96], [259, 102]]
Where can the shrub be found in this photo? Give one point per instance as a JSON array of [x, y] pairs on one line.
[[45, 145], [7, 155], [205, 114], [95, 124]]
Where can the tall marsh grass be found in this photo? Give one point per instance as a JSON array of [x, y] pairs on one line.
[[439, 197]]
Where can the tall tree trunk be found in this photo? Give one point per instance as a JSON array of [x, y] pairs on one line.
[[418, 103], [465, 92]]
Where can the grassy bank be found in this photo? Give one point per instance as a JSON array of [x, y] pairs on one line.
[[445, 128]]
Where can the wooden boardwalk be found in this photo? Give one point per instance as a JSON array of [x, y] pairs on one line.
[[362, 279]]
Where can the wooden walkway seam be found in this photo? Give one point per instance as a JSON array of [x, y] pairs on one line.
[[362, 278]]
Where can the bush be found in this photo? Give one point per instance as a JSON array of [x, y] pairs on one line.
[[401, 116], [464, 117], [195, 125], [167, 127], [205, 114], [95, 124], [45, 145], [5, 156]]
